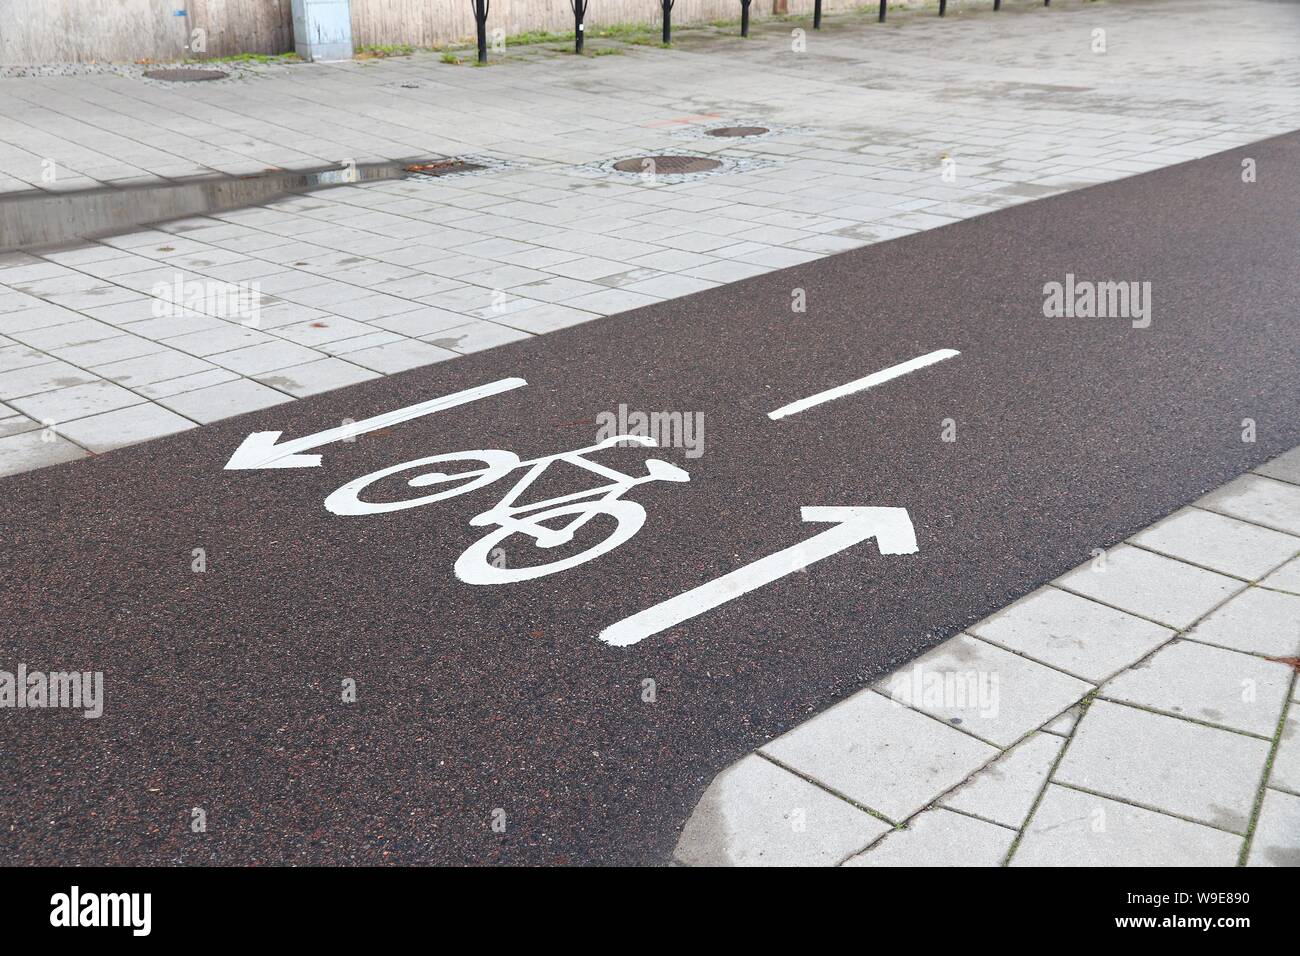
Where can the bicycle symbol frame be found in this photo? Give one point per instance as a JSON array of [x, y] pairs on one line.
[[474, 565]]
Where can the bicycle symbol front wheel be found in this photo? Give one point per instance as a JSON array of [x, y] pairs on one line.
[[474, 566]]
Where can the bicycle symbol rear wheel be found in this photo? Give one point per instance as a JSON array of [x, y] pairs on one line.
[[475, 567], [347, 500]]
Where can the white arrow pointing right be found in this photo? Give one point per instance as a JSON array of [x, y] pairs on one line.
[[891, 527]]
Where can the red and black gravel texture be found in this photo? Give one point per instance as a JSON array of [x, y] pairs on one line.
[[223, 688]]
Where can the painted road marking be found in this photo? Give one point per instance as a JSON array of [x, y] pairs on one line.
[[476, 564], [891, 527], [264, 450], [858, 385]]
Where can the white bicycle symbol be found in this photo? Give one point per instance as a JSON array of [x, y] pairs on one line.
[[474, 565]]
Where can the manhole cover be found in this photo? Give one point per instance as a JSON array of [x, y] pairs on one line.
[[666, 165], [737, 131], [186, 75], [443, 167]]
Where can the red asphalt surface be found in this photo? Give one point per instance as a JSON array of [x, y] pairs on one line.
[[497, 702]]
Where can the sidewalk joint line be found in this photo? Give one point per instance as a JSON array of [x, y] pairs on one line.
[[1143, 806], [1047, 782], [960, 728], [1023, 655], [967, 813], [826, 787], [1203, 567], [1224, 514], [1258, 804], [1172, 627], [1190, 720]]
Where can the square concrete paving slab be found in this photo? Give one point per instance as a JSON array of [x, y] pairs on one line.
[[125, 426], [80, 332], [311, 378], [1209, 684], [1207, 775], [1156, 587], [372, 307], [1005, 790], [611, 301], [1259, 621], [1283, 468], [20, 356], [423, 321], [42, 378], [399, 356], [1219, 543], [474, 337], [940, 838], [1072, 633], [669, 286], [77, 401], [1286, 761], [42, 316], [555, 289], [161, 366], [546, 318], [884, 756], [216, 402], [370, 341], [1064, 724], [1276, 841], [187, 383], [1070, 828], [757, 814], [266, 357], [991, 693], [1267, 501], [330, 328], [117, 349], [11, 423], [225, 338], [28, 450], [1285, 578]]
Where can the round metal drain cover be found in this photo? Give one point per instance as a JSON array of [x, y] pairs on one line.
[[443, 167], [184, 75], [737, 131], [666, 165]]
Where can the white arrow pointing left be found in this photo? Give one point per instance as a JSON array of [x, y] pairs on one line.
[[891, 527], [265, 450]]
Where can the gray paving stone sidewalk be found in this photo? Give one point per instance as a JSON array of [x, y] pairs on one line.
[[1141, 710], [877, 132]]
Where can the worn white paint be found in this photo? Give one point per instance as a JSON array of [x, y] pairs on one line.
[[861, 384], [891, 527]]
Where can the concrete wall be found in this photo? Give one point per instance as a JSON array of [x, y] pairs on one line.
[[68, 31], [83, 31]]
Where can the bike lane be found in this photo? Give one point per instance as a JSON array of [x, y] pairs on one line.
[[577, 716]]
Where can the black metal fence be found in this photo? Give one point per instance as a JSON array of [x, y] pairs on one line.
[[483, 7]]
